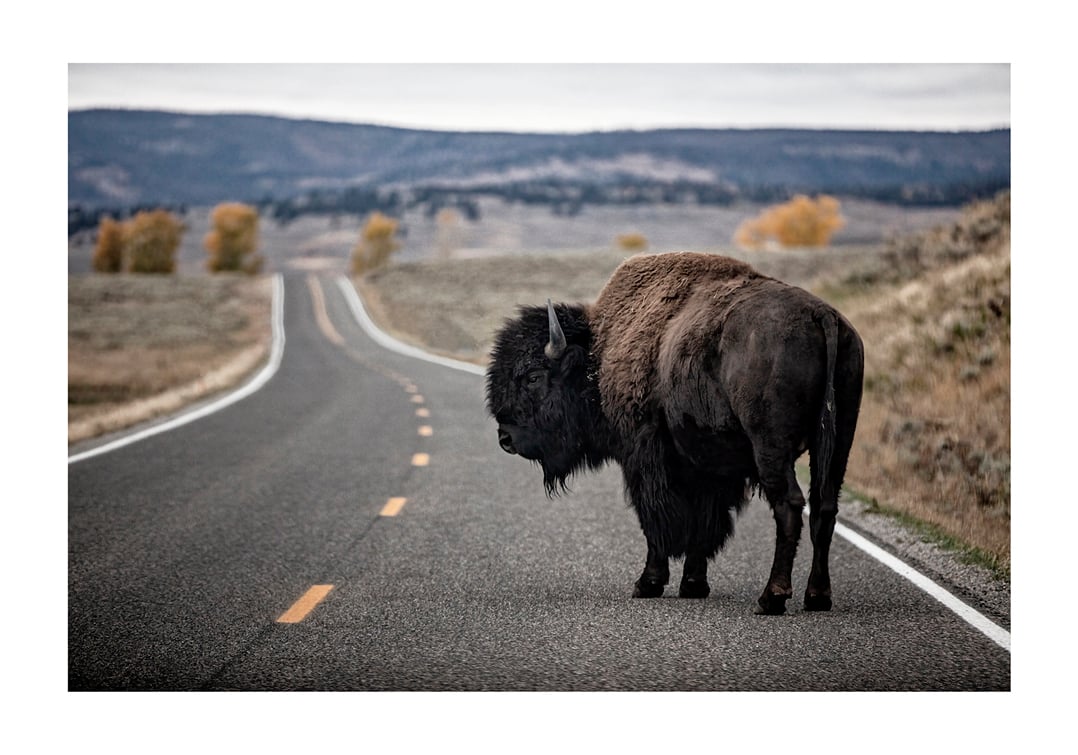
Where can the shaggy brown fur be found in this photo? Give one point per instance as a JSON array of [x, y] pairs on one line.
[[639, 303], [699, 376]]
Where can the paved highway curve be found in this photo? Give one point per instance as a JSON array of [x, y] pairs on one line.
[[353, 525]]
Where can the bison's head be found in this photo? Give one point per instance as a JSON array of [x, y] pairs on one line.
[[541, 391]]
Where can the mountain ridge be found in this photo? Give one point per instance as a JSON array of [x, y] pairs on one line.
[[128, 157]]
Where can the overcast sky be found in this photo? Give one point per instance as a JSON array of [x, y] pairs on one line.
[[564, 97]]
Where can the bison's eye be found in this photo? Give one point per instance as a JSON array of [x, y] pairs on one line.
[[536, 377]]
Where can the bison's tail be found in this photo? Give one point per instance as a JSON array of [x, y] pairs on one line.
[[825, 437]]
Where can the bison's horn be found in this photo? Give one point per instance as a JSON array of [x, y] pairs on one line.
[[556, 347]]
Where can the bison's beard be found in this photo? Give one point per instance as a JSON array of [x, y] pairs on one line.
[[560, 465], [556, 474]]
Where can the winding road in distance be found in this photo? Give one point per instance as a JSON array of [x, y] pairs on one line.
[[353, 525]]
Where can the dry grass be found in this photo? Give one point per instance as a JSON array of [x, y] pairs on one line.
[[142, 346], [933, 440]]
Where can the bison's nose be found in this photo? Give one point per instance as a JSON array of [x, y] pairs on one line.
[[505, 440]]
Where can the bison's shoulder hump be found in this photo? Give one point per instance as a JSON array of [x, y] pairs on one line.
[[644, 285], [645, 267], [643, 295]]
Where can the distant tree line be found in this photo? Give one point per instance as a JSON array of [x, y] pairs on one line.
[[359, 201], [350, 201], [80, 218], [566, 198], [569, 198]]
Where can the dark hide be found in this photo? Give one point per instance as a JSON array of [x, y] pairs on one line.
[[547, 411], [703, 379]]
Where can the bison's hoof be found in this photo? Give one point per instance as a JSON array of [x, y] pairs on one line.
[[771, 604], [694, 588], [817, 602], [647, 589]]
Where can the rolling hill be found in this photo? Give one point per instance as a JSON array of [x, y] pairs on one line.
[[119, 158]]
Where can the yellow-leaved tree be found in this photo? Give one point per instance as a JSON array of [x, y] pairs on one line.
[[232, 242], [150, 241], [803, 221], [377, 241], [109, 250]]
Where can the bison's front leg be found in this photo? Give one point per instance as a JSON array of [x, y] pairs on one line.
[[787, 503], [694, 577], [656, 575]]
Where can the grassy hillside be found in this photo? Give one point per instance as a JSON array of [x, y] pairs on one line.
[[934, 436]]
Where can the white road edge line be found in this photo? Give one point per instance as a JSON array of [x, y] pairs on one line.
[[974, 618], [971, 616], [259, 380], [389, 342]]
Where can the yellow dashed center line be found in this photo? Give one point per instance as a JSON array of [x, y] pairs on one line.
[[299, 610], [411, 388], [320, 314], [393, 506], [420, 460], [426, 431], [422, 412], [417, 399]]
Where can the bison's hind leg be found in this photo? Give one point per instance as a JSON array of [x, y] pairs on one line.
[[823, 509], [821, 528], [783, 492]]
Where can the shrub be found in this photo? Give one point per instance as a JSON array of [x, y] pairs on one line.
[[632, 242], [800, 222], [151, 239], [108, 253], [232, 242], [376, 242]]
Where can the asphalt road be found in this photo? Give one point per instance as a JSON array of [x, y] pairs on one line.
[[187, 548]]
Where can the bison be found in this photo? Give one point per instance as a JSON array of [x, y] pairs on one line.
[[704, 380]]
